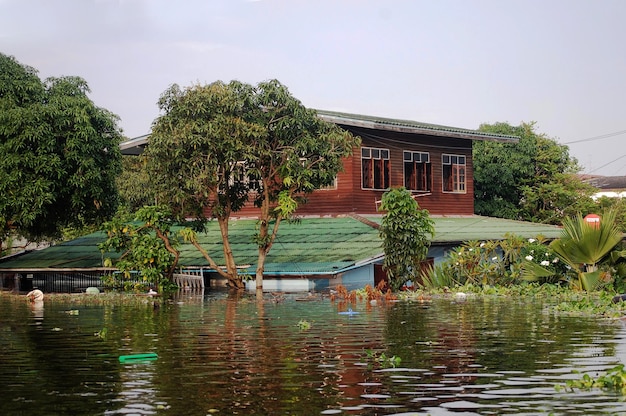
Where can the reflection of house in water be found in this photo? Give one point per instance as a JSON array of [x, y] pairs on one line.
[[336, 241]]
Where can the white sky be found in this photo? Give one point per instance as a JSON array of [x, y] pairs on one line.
[[560, 63]]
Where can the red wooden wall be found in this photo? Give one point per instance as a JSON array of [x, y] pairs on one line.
[[349, 197]]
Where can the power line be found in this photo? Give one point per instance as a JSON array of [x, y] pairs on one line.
[[603, 136], [606, 164]]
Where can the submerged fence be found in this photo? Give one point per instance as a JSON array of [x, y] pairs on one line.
[[77, 281], [51, 281]]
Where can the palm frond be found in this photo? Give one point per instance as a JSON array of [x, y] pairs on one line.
[[584, 243], [533, 272]]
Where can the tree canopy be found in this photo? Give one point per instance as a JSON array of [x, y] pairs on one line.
[[60, 154], [533, 180], [217, 147]]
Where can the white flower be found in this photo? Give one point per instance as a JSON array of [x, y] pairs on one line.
[[556, 260], [482, 244], [545, 263], [547, 255], [471, 249], [531, 240], [529, 258], [494, 258]]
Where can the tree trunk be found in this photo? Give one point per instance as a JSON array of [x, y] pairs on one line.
[[234, 280], [260, 268]]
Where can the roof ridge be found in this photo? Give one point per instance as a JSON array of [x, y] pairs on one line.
[[364, 220]]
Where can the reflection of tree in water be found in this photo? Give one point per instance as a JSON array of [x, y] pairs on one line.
[[483, 336], [252, 357]]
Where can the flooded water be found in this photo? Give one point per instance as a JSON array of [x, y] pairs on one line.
[[237, 356]]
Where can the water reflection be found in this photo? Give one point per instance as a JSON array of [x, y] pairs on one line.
[[234, 355]]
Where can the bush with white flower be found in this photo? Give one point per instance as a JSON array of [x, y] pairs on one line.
[[540, 263], [501, 262]]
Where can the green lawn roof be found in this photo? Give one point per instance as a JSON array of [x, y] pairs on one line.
[[309, 246]]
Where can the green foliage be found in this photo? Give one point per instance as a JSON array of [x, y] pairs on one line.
[[149, 256], [217, 146], [584, 246], [599, 303], [406, 231], [532, 180], [618, 205], [490, 263], [304, 325], [614, 380], [382, 360], [135, 184], [60, 155], [585, 257], [541, 264]]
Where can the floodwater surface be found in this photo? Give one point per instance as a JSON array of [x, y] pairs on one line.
[[287, 356]]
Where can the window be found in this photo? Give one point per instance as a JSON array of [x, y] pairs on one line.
[[375, 168], [241, 175], [453, 169], [330, 187], [417, 173]]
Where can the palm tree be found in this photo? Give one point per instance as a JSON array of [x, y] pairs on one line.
[[583, 246]]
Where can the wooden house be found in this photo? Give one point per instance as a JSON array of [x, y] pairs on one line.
[[342, 245], [433, 161]]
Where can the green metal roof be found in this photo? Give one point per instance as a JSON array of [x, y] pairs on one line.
[[455, 230], [409, 126], [309, 246]]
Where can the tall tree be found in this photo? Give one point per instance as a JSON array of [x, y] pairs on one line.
[[60, 154], [298, 153], [531, 180], [217, 147], [195, 154]]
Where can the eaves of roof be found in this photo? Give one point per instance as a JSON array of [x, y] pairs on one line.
[[135, 145], [409, 126]]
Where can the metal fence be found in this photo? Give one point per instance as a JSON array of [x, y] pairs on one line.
[[51, 282]]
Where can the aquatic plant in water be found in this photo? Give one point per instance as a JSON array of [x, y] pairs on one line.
[[382, 359], [614, 380]]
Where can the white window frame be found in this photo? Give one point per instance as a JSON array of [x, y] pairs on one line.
[[457, 171], [373, 154], [415, 157]]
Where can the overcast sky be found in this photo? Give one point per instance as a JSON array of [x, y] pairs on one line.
[[461, 63]]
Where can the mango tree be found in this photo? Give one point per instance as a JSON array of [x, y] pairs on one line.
[[217, 147], [297, 154], [59, 155]]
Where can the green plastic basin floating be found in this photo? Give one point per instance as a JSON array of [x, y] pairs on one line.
[[139, 357]]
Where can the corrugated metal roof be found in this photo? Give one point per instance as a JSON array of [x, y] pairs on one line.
[[409, 126], [309, 246], [135, 145]]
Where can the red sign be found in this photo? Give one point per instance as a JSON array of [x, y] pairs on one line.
[[593, 220]]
